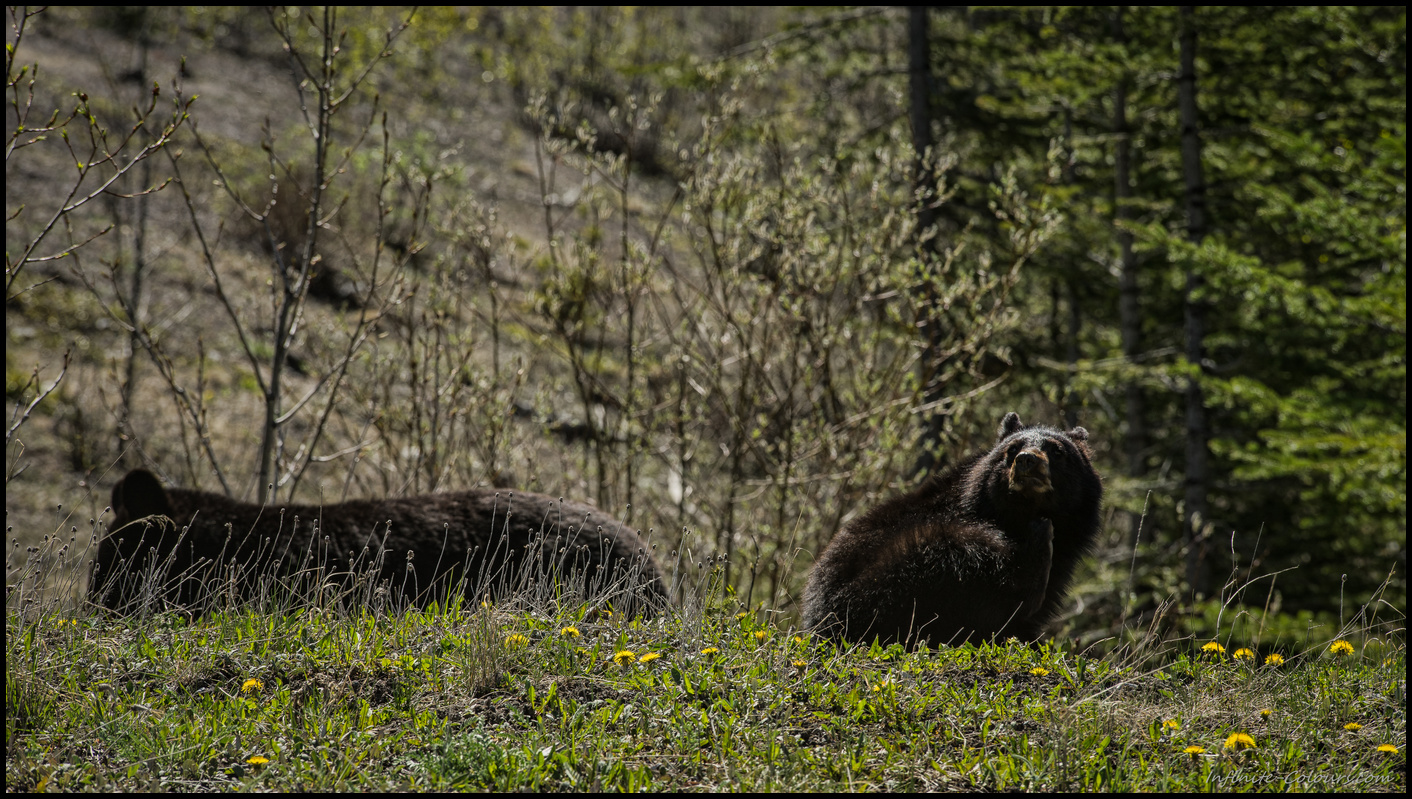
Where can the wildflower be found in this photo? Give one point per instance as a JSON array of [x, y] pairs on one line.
[[799, 640], [1274, 659], [1214, 648], [1039, 671], [1353, 726], [570, 632], [1341, 647], [1194, 751], [648, 658], [740, 616], [798, 664], [624, 657], [257, 760], [1265, 714], [516, 640], [710, 650], [1239, 740], [251, 687], [1172, 724], [1244, 654], [485, 604], [1389, 748], [760, 635]]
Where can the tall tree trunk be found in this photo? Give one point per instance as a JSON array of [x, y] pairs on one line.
[[1129, 309], [1070, 399], [1196, 428], [919, 80]]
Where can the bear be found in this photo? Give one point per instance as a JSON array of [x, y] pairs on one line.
[[983, 551], [190, 549]]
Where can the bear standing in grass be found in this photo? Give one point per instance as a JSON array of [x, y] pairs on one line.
[[983, 551], [193, 549]]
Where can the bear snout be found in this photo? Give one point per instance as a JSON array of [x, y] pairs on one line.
[[1030, 472]]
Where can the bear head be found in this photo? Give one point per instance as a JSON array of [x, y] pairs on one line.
[[1035, 472]]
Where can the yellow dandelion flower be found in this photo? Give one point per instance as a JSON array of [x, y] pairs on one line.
[[710, 650], [1239, 740], [1274, 659], [1172, 724], [516, 640], [570, 632], [1194, 751], [648, 658], [1341, 647], [740, 616], [1353, 726], [1244, 654], [624, 657], [1265, 714], [257, 760], [798, 664], [251, 686], [1389, 748], [1039, 671], [760, 635], [1214, 648], [799, 640]]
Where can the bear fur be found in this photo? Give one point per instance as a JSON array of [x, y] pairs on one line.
[[191, 548], [981, 552]]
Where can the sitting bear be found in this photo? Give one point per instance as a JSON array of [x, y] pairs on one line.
[[191, 548], [983, 551]]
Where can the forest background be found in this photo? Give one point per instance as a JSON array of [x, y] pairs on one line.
[[732, 274]]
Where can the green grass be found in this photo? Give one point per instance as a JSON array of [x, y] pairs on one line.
[[495, 698]]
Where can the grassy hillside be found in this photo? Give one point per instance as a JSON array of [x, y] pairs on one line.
[[714, 698], [671, 262]]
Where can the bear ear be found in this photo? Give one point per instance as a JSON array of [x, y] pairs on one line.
[[1078, 434], [140, 494], [1010, 424]]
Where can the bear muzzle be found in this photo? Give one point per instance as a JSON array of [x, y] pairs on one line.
[[1029, 474]]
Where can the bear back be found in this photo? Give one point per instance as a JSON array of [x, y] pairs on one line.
[[191, 548]]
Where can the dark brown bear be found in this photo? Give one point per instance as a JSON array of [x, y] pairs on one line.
[[192, 549], [981, 552]]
